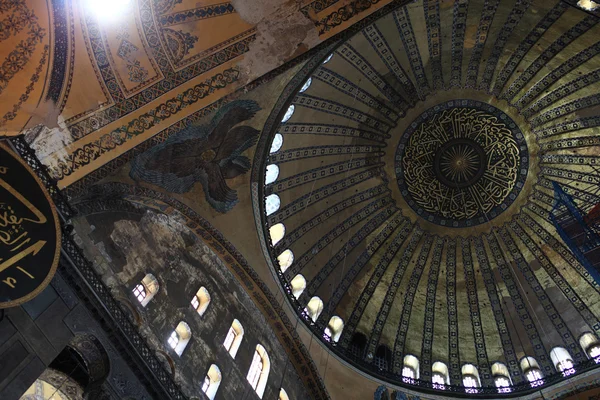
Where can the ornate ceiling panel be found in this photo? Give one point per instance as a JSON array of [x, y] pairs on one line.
[[417, 179]]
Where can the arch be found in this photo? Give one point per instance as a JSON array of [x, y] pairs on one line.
[[298, 285], [562, 360], [288, 114], [285, 259], [306, 85], [383, 358], [590, 344], [410, 368], [357, 346], [146, 289], [283, 395], [180, 337], [272, 204], [117, 195], [334, 329], [258, 374], [211, 382], [277, 232], [234, 338], [314, 308], [470, 378], [439, 375], [276, 143], [271, 174], [501, 377], [94, 356], [201, 300], [531, 370]]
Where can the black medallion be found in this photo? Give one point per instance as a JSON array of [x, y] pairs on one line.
[[29, 232], [461, 163]]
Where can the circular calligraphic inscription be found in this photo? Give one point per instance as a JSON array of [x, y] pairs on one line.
[[29, 232], [461, 163]]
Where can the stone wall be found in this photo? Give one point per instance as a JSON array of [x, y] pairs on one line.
[[125, 246]]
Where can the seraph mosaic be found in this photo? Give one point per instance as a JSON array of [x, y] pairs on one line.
[[210, 154]]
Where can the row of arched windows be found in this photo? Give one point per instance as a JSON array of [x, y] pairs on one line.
[[440, 376], [179, 338]]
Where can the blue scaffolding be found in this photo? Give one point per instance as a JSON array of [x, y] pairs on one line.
[[577, 230]]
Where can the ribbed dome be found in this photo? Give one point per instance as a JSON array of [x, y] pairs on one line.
[[417, 171]]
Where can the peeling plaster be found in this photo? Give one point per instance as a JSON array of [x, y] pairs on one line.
[[283, 32], [50, 143]]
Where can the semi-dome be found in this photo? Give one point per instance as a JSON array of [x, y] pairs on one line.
[[436, 189]]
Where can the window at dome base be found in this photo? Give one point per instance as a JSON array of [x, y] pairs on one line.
[[314, 308], [272, 203], [277, 143], [276, 232], [328, 58], [590, 344], [470, 378], [334, 329], [272, 173], [298, 285], [439, 375], [531, 370], [288, 114], [410, 369], [283, 395], [501, 377], [285, 259], [306, 85], [562, 361]]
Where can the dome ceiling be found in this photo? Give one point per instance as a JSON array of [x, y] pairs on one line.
[[416, 183]]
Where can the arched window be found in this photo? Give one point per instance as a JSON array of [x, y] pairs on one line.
[[410, 369], [276, 232], [357, 346], [288, 114], [383, 358], [212, 382], [298, 285], [272, 203], [306, 85], [334, 329], [589, 5], [283, 395], [590, 344], [470, 378], [259, 370], [277, 143], [271, 174], [146, 289], [314, 308], [501, 377], [531, 370], [201, 300], [562, 360], [328, 58], [285, 259], [234, 338], [180, 337], [439, 375]]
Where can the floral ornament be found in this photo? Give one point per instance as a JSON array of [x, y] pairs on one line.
[[208, 154]]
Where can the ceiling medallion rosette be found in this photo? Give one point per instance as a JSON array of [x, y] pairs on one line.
[[461, 163]]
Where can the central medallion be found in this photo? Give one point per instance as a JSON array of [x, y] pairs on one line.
[[461, 163]]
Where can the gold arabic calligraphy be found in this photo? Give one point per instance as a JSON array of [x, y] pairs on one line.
[[499, 164]]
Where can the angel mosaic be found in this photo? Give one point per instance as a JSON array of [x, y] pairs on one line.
[[210, 154]]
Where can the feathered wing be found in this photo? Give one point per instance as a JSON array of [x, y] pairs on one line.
[[228, 120], [180, 159], [236, 141], [216, 186], [235, 166]]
